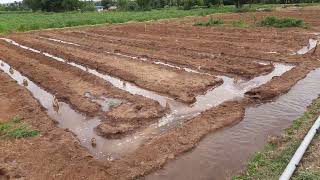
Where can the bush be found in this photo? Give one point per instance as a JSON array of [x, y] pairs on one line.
[[70, 5], [122, 4], [211, 22], [244, 9], [272, 21], [144, 4], [107, 3], [188, 4], [210, 3], [133, 6], [87, 6], [240, 24]]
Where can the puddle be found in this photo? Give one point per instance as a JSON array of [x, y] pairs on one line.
[[312, 44], [223, 154]]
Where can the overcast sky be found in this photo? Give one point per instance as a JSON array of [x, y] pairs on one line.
[[8, 1]]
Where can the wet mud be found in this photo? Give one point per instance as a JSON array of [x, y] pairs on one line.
[[138, 96]]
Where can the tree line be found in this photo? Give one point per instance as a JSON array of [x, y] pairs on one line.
[[131, 5]]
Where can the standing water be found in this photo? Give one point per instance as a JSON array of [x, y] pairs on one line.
[[224, 154]]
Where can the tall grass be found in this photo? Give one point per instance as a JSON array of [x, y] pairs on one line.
[[210, 22], [18, 22], [272, 21]]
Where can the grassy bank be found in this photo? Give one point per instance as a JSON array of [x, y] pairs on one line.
[[25, 21], [11, 22], [270, 163]]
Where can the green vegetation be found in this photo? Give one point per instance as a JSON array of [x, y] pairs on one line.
[[12, 22], [272, 21], [15, 129], [245, 9], [240, 24], [56, 5], [308, 175], [211, 22], [20, 21], [270, 163]]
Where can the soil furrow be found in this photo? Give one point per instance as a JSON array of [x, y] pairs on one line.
[[179, 84], [218, 64], [70, 85], [54, 154]]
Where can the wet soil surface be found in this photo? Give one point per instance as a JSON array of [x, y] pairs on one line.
[[138, 95]]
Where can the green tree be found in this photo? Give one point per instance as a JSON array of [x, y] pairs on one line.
[[239, 3], [107, 3], [70, 5], [209, 3], [33, 4], [52, 5], [133, 6], [144, 4], [122, 4], [87, 6]]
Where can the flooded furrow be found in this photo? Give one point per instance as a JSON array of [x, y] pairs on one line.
[[211, 98], [126, 86], [229, 90], [67, 118], [311, 45], [225, 153]]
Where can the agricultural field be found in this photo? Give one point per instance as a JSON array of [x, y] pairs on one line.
[[21, 21], [197, 95]]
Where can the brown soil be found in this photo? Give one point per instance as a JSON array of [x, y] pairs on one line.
[[181, 53], [281, 84], [177, 83], [215, 50], [55, 154], [114, 132]]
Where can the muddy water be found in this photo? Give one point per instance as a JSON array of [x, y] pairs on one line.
[[129, 87], [67, 118], [223, 154], [227, 91], [312, 44]]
